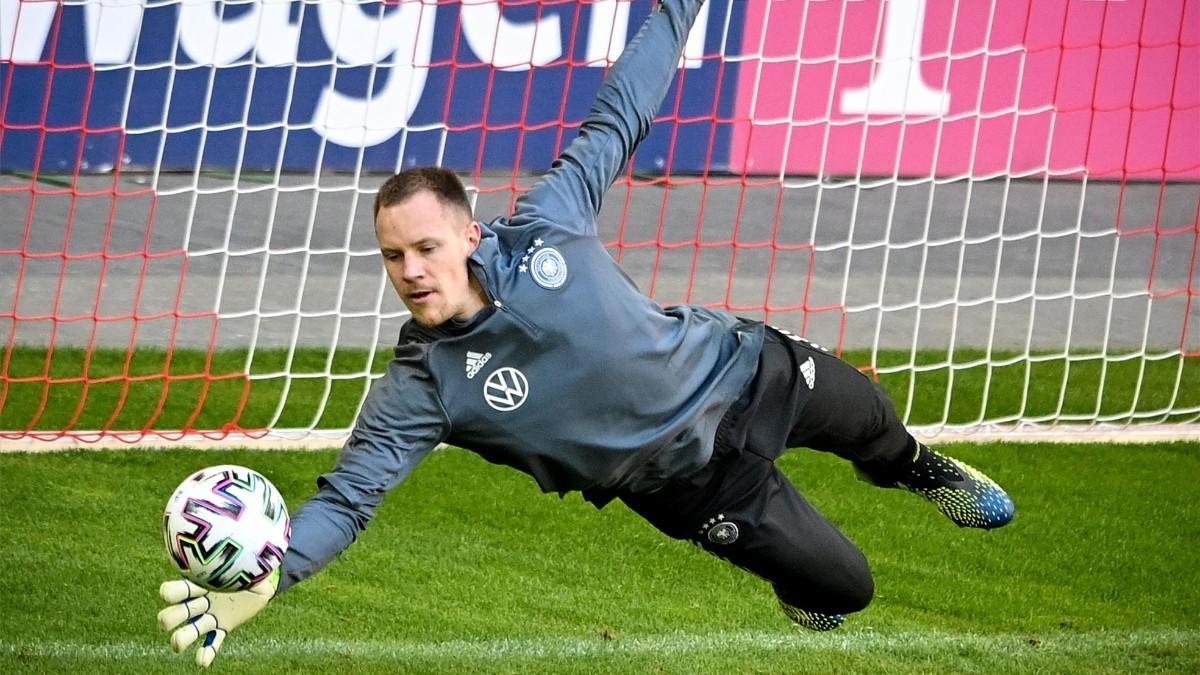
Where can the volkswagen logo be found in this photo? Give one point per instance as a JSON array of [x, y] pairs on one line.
[[506, 389]]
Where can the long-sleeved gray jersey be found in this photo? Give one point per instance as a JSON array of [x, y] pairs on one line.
[[572, 375]]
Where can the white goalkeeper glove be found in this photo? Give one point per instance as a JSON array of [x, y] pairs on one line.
[[209, 614]]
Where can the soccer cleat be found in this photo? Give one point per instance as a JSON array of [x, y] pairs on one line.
[[961, 492], [812, 620]]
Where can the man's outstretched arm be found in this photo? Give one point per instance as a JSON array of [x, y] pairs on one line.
[[386, 444], [399, 424], [570, 195]]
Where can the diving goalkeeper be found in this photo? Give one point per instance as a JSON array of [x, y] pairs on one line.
[[529, 346]]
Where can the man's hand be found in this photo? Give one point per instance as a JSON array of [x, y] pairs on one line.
[[210, 614]]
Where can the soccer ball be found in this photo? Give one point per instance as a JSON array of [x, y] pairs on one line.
[[226, 528]]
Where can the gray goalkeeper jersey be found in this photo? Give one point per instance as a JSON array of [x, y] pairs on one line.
[[572, 375]]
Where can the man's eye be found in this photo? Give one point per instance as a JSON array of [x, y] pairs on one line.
[[428, 249]]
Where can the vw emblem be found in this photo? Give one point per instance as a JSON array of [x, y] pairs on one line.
[[723, 533], [506, 389], [549, 269]]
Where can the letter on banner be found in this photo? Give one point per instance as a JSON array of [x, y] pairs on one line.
[[509, 45], [278, 39], [112, 29], [34, 18], [896, 86], [212, 40], [356, 39], [606, 31], [609, 27]]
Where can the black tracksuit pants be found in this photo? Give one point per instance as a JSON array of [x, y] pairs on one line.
[[742, 508]]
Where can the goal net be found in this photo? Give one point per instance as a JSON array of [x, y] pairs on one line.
[[991, 207]]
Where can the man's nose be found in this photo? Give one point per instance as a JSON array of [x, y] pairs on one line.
[[412, 268]]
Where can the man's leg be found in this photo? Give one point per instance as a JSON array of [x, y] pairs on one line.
[[743, 509], [840, 410]]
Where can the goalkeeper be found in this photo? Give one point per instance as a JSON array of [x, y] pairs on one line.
[[530, 347]]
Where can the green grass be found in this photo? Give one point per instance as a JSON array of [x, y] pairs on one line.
[[114, 389], [187, 388], [467, 568]]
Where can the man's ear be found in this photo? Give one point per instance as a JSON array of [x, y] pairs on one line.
[[474, 235]]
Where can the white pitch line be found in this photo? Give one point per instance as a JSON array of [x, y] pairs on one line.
[[861, 642], [318, 439]]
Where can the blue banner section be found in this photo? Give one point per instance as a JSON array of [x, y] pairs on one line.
[[326, 107]]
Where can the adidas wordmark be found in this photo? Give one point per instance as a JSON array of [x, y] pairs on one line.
[[475, 362]]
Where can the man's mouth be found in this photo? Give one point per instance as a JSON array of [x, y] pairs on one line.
[[420, 296]]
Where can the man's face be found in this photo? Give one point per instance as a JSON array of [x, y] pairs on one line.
[[425, 246]]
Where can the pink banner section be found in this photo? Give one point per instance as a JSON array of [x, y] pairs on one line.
[[1108, 89]]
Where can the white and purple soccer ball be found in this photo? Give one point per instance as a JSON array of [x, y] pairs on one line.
[[226, 528]]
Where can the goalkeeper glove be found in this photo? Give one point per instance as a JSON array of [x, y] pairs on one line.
[[209, 614]]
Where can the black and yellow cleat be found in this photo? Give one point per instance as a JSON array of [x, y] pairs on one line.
[[812, 620], [961, 492]]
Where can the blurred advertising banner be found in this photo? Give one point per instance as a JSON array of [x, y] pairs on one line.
[[953, 87], [829, 87]]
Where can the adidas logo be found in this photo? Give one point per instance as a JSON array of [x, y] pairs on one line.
[[809, 370], [475, 362]]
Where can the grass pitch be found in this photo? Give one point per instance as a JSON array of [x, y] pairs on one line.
[[112, 389], [468, 568]]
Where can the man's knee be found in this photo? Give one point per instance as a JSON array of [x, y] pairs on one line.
[[847, 600], [858, 590], [839, 589], [853, 585]]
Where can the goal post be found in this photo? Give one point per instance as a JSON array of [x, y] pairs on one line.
[[992, 208]]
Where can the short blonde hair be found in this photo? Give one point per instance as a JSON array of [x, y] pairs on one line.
[[442, 183]]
